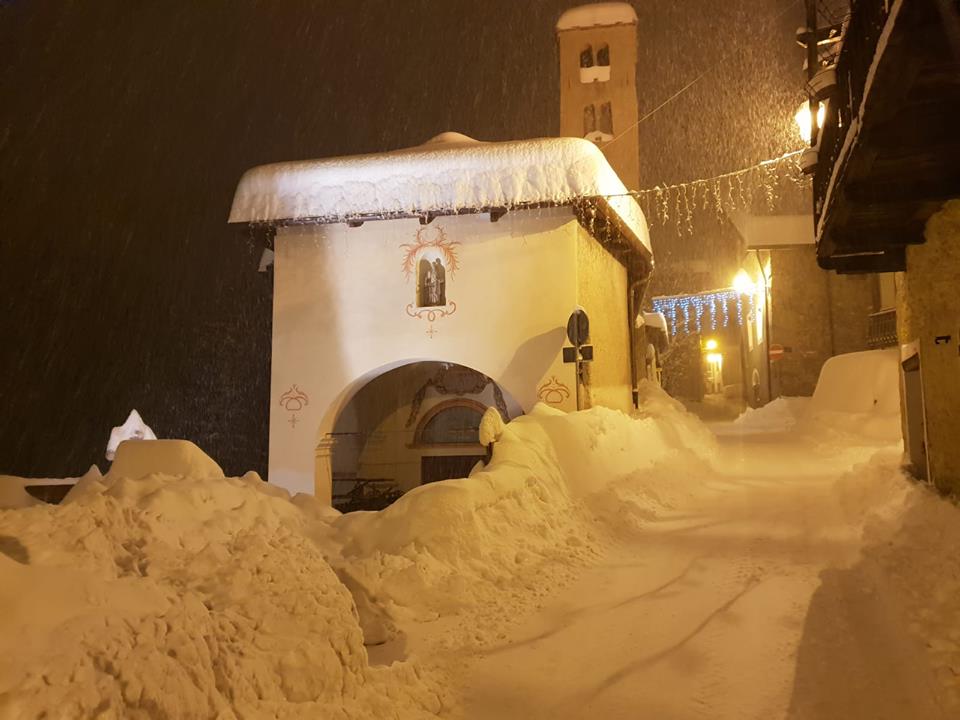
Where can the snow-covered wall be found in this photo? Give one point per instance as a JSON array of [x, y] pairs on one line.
[[345, 311]]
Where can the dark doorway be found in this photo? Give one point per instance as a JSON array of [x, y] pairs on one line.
[[446, 467]]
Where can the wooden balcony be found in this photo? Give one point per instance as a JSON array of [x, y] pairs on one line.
[[889, 152], [882, 329]]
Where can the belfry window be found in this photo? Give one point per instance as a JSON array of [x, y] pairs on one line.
[[603, 56], [605, 121], [586, 57], [595, 67], [589, 120], [598, 128]]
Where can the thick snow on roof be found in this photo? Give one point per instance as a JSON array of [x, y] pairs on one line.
[[450, 173], [597, 15]]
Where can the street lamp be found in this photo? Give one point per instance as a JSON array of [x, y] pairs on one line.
[[804, 119]]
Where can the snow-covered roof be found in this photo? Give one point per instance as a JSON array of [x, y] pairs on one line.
[[449, 174], [597, 15]]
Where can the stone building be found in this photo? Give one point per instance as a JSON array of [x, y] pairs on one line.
[[598, 82], [887, 199], [414, 289]]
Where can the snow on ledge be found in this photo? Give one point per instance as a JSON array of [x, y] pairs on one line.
[[450, 173], [597, 15]]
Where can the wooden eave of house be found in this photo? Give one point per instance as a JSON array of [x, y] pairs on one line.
[[897, 157]]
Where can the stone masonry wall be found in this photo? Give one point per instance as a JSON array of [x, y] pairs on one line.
[[928, 307]]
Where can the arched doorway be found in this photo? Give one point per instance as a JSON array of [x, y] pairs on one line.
[[414, 424]]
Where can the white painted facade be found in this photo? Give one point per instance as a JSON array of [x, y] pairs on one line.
[[347, 307]]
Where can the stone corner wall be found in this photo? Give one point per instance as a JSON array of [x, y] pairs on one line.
[[928, 308]]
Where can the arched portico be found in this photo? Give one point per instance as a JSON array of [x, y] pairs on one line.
[[374, 428]]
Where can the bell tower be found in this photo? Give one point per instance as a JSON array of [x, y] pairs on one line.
[[598, 82]]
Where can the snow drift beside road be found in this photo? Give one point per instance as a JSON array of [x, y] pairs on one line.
[[857, 395], [556, 481], [911, 537]]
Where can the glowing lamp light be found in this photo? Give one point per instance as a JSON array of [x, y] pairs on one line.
[[742, 284], [711, 344], [804, 120], [714, 358]]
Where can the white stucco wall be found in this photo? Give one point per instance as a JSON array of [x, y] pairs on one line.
[[342, 316]]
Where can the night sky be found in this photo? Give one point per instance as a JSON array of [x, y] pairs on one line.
[[125, 125]]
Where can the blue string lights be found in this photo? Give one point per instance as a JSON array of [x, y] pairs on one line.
[[709, 309]]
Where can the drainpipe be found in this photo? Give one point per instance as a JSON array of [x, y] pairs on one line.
[[635, 291], [766, 325]]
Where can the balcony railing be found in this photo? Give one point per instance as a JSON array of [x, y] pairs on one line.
[[882, 329], [860, 43]]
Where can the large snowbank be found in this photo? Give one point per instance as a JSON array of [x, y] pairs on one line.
[[910, 547], [448, 174], [597, 15], [147, 595], [857, 396], [182, 597], [557, 483]]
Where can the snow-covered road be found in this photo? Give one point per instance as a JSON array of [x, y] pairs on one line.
[[748, 604]]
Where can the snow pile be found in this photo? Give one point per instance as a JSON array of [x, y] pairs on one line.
[[857, 397], [13, 495], [182, 597], [859, 393], [169, 457], [133, 428], [556, 484], [184, 593], [911, 540], [600, 14], [778, 415], [447, 174]]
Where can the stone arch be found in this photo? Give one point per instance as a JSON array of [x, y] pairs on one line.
[[368, 423]]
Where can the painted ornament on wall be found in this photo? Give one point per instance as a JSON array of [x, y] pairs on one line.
[[293, 401], [553, 392], [433, 260]]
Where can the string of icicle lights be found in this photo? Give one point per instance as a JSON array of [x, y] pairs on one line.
[[731, 192], [712, 309]]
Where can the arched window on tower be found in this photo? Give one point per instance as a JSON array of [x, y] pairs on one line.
[[589, 121], [605, 122], [603, 55], [598, 128], [586, 57], [595, 68]]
